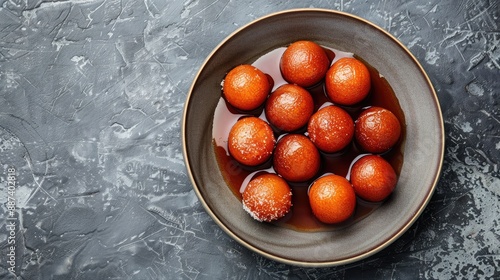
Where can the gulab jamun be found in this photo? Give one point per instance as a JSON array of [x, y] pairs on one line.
[[304, 63], [289, 107], [377, 130], [373, 178], [347, 81], [267, 197], [331, 129], [332, 199], [246, 87], [251, 141], [296, 158]]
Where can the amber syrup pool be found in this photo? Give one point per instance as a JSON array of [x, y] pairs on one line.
[[301, 217]]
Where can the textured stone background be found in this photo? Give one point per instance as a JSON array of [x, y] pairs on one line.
[[91, 99]]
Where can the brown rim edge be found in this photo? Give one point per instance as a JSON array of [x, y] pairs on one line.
[[364, 255]]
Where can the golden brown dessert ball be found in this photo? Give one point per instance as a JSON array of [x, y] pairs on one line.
[[377, 130], [251, 141], [331, 129], [332, 199], [267, 197], [373, 178], [289, 107], [246, 87], [304, 63], [296, 158], [348, 81]]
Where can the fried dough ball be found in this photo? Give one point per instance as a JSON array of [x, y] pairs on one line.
[[347, 81], [296, 158], [246, 87], [373, 178], [289, 107], [377, 130], [267, 197], [332, 199], [251, 141], [304, 63], [331, 129]]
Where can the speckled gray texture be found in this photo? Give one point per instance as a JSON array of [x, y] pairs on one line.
[[91, 98]]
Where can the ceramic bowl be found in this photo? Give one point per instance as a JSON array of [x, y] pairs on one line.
[[423, 148]]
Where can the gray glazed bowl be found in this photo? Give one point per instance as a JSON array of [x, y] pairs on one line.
[[423, 152]]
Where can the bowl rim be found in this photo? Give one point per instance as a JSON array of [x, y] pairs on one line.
[[362, 255]]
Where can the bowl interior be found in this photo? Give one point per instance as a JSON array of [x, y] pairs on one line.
[[423, 152]]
